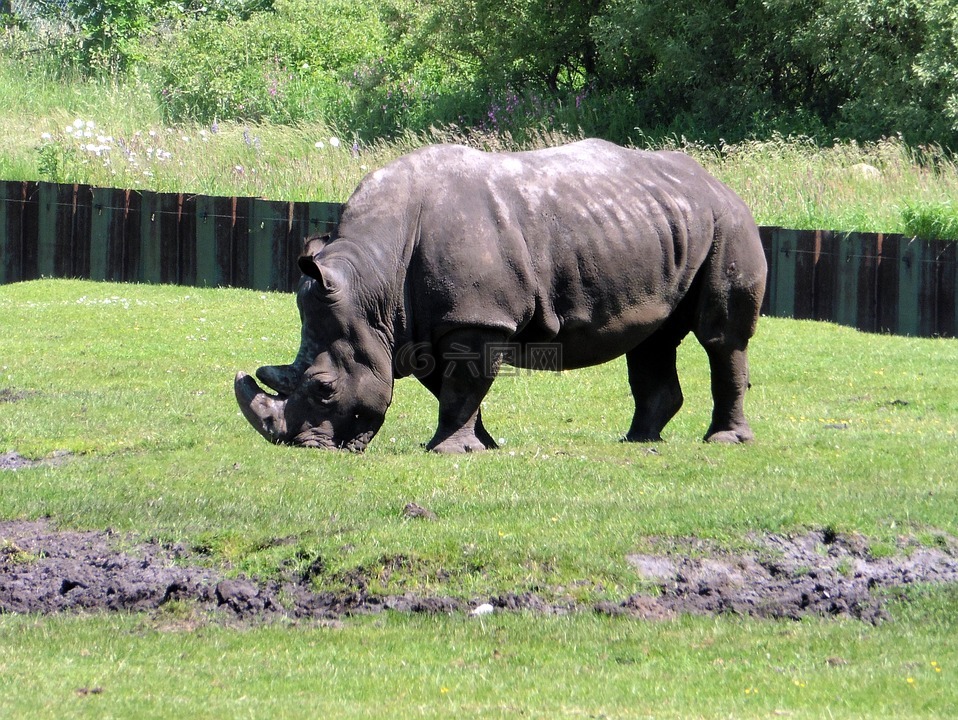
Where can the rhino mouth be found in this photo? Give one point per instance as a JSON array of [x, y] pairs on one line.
[[269, 415]]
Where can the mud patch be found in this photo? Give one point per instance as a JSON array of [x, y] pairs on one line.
[[819, 573], [46, 570], [16, 461]]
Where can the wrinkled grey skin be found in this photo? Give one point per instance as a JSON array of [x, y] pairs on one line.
[[448, 253]]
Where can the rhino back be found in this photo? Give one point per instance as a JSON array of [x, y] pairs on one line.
[[588, 244]]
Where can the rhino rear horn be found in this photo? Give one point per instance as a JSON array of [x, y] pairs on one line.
[[265, 412]]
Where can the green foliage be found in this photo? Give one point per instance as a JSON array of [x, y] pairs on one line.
[[286, 65], [110, 30], [863, 69]]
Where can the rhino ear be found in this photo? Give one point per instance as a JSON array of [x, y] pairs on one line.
[[310, 265], [330, 280]]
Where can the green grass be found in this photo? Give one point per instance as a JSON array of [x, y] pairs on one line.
[[504, 666], [136, 381]]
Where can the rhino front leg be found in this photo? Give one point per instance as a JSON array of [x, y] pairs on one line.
[[462, 377]]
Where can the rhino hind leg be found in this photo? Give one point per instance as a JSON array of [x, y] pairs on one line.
[[460, 382], [729, 370], [726, 323], [655, 387]]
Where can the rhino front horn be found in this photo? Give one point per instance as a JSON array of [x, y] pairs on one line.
[[265, 412]]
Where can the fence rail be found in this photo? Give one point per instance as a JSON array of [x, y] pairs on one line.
[[872, 281]]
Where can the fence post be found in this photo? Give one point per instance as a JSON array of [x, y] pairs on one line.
[[13, 197], [946, 278], [216, 241], [271, 225]]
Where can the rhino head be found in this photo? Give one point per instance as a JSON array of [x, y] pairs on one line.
[[336, 392]]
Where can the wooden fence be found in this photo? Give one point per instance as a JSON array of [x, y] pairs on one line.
[[874, 282]]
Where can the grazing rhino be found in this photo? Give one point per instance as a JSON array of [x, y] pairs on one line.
[[450, 261]]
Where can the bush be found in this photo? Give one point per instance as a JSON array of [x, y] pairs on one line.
[[283, 65]]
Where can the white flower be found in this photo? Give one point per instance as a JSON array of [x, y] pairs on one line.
[[334, 141], [89, 125], [78, 124], [320, 145], [46, 136], [68, 129]]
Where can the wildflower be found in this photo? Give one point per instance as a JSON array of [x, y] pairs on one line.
[[319, 145], [334, 142], [78, 124], [215, 127], [46, 137]]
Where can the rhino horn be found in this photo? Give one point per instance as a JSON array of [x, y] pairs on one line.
[[265, 412], [282, 378]]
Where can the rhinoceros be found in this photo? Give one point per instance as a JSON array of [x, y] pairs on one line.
[[451, 261]]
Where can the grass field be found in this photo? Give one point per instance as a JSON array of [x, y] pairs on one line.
[[855, 432]]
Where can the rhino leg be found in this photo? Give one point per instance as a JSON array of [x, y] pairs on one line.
[[728, 313], [460, 382], [655, 387], [433, 383], [729, 368]]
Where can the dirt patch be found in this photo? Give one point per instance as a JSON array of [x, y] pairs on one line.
[[818, 573], [16, 461], [46, 570]]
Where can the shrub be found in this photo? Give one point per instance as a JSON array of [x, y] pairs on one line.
[[284, 65]]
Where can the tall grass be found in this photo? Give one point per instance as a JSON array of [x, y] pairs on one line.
[[884, 186]]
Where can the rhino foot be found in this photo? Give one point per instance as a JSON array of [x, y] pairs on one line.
[[742, 434], [462, 441]]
